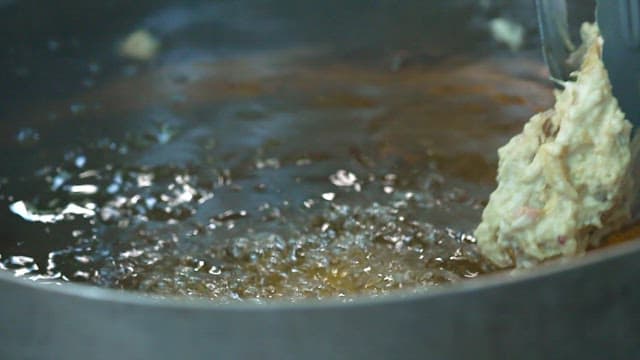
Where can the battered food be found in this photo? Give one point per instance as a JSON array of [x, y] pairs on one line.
[[565, 181], [140, 45]]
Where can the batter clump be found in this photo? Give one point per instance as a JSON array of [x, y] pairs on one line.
[[565, 182]]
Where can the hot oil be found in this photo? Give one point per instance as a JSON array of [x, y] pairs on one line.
[[266, 176]]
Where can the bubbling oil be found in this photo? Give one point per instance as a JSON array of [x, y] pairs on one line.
[[301, 180]]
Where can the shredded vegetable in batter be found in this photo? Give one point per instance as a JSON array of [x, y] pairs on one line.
[[565, 181]]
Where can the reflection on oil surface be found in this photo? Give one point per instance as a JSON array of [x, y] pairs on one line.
[[284, 174]]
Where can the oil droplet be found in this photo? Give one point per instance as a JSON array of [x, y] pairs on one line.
[[343, 178], [329, 196]]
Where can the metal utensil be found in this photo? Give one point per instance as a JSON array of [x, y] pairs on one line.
[[556, 41], [619, 22]]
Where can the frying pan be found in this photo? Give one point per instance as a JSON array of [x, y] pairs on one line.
[[51, 52]]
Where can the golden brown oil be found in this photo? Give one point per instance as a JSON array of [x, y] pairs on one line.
[[269, 176]]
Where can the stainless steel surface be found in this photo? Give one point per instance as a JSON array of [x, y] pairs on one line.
[[587, 309], [619, 23]]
